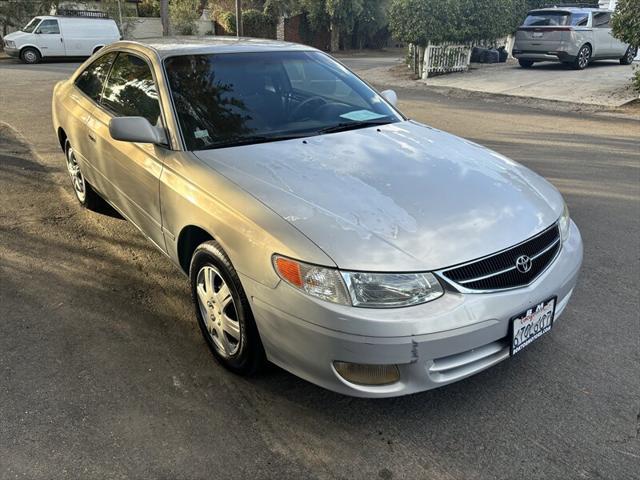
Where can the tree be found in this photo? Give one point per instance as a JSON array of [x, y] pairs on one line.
[[164, 16], [626, 22], [626, 27], [16, 13]]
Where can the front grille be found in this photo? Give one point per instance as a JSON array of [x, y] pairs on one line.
[[498, 271]]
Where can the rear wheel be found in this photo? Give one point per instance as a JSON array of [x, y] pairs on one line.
[[583, 58], [223, 311], [30, 55], [525, 63], [629, 56]]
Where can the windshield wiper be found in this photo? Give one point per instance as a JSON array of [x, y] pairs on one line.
[[345, 126], [250, 140]]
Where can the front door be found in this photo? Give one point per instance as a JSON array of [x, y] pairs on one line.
[[49, 39], [131, 170]]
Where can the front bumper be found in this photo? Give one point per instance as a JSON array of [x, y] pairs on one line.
[[12, 52], [433, 344]]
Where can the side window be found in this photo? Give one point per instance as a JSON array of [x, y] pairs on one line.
[[49, 27], [130, 90], [92, 79], [602, 20], [580, 19]]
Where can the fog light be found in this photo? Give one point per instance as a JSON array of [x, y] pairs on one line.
[[364, 374]]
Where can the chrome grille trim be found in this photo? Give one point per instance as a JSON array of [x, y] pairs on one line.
[[498, 271]]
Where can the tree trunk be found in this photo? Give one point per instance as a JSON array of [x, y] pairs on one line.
[[335, 37], [164, 16]]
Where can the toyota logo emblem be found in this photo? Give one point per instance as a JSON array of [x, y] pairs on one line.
[[523, 263]]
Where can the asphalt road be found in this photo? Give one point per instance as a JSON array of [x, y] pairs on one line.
[[103, 373]]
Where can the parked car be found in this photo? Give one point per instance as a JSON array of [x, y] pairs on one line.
[[571, 35], [59, 36], [318, 226]]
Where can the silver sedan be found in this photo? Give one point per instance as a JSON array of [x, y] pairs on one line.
[[320, 228]]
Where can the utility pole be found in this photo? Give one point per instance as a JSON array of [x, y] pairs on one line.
[[164, 16], [239, 18]]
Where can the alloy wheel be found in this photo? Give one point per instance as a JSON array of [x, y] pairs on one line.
[[583, 56], [631, 54], [77, 179], [218, 311]]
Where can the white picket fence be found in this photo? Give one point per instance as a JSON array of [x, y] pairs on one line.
[[445, 58]]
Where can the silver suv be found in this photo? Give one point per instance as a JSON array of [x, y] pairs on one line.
[[574, 36]]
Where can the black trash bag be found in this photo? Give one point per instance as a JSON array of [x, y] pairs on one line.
[[502, 51], [477, 54], [491, 56]]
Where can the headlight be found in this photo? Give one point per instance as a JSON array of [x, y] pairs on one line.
[[564, 223], [372, 290], [388, 290], [10, 44], [321, 282]]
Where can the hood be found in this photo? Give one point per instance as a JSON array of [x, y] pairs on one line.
[[15, 35], [402, 197]]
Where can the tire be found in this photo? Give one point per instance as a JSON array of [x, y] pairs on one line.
[[224, 315], [525, 63], [30, 55], [629, 56], [85, 194], [583, 58], [96, 50]]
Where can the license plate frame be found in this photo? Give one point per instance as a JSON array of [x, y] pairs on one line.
[[517, 320]]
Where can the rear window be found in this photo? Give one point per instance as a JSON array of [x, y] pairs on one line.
[[547, 19]]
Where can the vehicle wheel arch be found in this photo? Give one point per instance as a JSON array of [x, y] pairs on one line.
[[189, 238], [63, 139], [97, 48], [34, 47]]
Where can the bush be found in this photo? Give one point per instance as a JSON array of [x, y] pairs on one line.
[[626, 27], [424, 21], [257, 24], [149, 8], [183, 15], [227, 20]]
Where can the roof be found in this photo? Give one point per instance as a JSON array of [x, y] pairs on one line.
[[171, 46], [560, 8]]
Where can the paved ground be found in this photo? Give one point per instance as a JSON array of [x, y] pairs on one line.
[[604, 84], [104, 373]]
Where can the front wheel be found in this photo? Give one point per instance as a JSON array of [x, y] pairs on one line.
[[87, 197], [629, 56], [525, 63], [583, 58], [30, 55], [223, 311]]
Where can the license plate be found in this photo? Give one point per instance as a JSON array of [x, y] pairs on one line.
[[532, 324], [538, 34]]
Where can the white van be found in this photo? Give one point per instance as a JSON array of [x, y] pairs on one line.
[[60, 36]]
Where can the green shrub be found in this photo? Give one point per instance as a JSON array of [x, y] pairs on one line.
[[183, 15], [257, 24], [227, 20]]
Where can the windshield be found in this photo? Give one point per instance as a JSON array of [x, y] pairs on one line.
[[31, 26], [238, 98], [545, 19]]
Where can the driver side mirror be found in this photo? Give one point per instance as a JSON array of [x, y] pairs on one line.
[[137, 130], [390, 96]]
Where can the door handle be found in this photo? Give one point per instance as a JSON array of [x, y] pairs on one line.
[[91, 137]]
